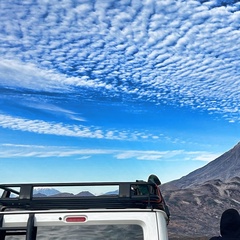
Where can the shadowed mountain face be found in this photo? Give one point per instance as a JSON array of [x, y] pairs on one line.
[[197, 211], [198, 200], [224, 168]]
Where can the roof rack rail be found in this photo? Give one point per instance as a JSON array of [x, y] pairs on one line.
[[139, 194]]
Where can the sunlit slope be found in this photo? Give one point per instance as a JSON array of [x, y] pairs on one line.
[[224, 168]]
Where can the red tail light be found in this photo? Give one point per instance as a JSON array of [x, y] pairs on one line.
[[74, 219]]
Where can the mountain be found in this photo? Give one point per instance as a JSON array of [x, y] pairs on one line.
[[196, 211], [197, 200], [115, 192], [45, 190], [224, 168], [63, 194], [39, 195], [85, 194]]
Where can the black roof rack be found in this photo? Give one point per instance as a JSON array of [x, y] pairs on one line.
[[139, 194]]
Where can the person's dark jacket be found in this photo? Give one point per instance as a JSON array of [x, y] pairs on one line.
[[229, 226]]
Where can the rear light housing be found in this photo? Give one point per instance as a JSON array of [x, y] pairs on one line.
[[76, 219]]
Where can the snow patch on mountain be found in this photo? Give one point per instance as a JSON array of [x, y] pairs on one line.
[[45, 190]]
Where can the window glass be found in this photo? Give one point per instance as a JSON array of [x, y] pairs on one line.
[[92, 232], [22, 237]]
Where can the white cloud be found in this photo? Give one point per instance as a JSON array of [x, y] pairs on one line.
[[192, 46], [84, 157], [54, 109], [16, 74], [207, 157], [40, 151], [173, 155], [141, 155], [80, 131]]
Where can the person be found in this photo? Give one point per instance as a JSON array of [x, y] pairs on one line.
[[229, 226], [153, 178]]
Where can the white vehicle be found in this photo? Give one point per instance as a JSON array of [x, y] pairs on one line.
[[136, 212]]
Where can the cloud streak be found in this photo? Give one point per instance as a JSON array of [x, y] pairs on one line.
[[40, 151], [79, 131]]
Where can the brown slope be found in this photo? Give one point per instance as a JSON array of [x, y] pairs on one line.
[[196, 211]]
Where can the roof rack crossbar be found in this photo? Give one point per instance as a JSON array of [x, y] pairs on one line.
[[14, 185]]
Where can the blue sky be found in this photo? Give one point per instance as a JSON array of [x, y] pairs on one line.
[[112, 90]]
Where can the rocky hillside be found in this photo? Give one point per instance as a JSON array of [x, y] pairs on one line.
[[197, 200], [197, 211], [224, 168]]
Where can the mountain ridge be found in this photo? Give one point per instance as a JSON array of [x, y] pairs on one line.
[[224, 168], [45, 191]]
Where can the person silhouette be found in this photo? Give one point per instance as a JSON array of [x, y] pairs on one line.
[[229, 225]]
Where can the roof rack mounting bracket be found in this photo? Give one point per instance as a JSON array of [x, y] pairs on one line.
[[124, 190], [26, 192], [31, 230]]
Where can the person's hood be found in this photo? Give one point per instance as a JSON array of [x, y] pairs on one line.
[[230, 224]]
